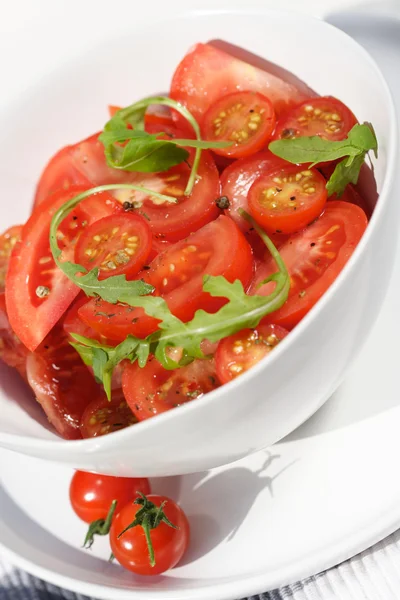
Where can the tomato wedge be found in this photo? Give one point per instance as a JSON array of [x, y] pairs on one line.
[[7, 242], [237, 353], [119, 244], [314, 258], [245, 118], [37, 292], [177, 275], [61, 383], [12, 351], [286, 200], [152, 390], [206, 73], [101, 416], [325, 116], [237, 179]]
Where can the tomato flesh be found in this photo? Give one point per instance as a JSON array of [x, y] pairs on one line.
[[169, 543], [7, 242], [237, 353], [177, 275], [92, 494], [102, 416], [12, 351], [286, 200], [324, 116], [245, 118], [206, 73], [61, 382], [117, 245], [37, 292], [314, 258]]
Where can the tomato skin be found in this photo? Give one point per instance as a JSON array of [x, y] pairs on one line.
[[116, 234], [302, 121], [169, 544], [32, 316], [237, 179], [12, 350], [311, 267], [206, 73], [152, 390], [8, 241], [237, 353], [282, 204], [61, 382], [91, 494], [102, 416], [183, 298], [248, 120]]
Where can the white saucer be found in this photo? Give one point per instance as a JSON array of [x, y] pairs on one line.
[[327, 491]]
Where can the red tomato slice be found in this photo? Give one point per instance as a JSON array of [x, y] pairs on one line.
[[237, 353], [245, 118], [61, 383], [37, 292], [153, 390], [237, 179], [286, 200], [7, 242], [101, 416], [326, 116], [314, 258], [117, 244], [12, 351], [206, 73], [177, 274]]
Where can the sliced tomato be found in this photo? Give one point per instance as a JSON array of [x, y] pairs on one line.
[[7, 242], [351, 193], [62, 384], [287, 199], [37, 292], [158, 115], [325, 116], [314, 258], [157, 246], [237, 179], [177, 275], [119, 244], [207, 73], [101, 416], [12, 350], [153, 390], [237, 353], [245, 118]]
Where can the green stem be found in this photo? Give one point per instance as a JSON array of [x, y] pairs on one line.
[[165, 101], [146, 529], [100, 527]]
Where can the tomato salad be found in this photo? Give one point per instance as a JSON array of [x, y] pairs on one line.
[[171, 251]]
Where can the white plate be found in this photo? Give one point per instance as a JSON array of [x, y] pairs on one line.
[[328, 491]]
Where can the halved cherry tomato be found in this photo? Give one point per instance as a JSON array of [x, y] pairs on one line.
[[71, 322], [102, 416], [7, 242], [177, 275], [12, 350], [245, 118], [325, 116], [314, 258], [237, 179], [61, 382], [351, 193], [286, 200], [92, 494], [169, 543], [117, 244], [206, 73], [153, 390], [237, 353], [37, 292]]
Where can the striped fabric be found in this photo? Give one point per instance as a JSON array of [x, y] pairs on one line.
[[371, 575]]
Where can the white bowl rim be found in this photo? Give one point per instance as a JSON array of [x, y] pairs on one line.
[[90, 445]]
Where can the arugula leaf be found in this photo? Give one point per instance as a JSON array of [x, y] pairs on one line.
[[239, 312], [144, 152], [314, 149]]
